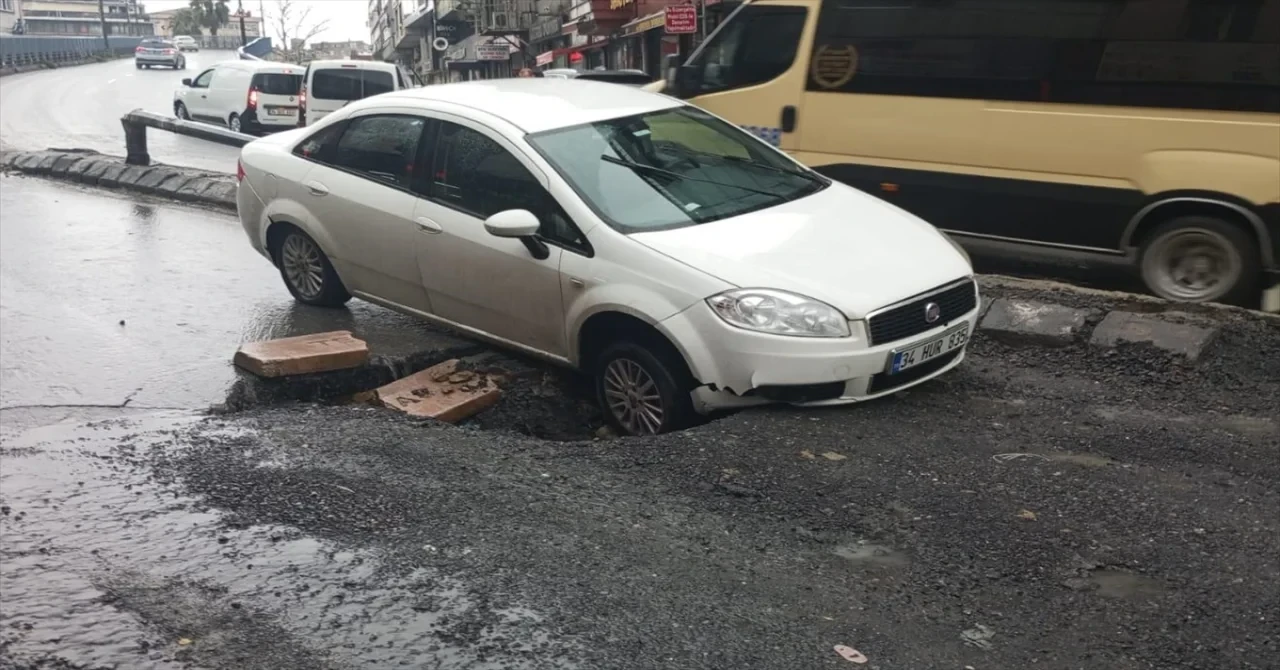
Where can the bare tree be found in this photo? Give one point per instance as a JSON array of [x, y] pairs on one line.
[[293, 22]]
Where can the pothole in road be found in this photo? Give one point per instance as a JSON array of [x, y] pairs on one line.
[[537, 400]]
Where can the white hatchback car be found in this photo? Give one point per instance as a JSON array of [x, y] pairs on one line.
[[684, 263]]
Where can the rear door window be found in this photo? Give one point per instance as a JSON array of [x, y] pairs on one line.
[[382, 147], [350, 83], [277, 83]]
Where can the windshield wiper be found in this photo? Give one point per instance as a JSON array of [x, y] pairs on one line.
[[657, 170], [747, 161]]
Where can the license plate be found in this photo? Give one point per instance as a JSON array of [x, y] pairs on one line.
[[281, 111], [927, 351]]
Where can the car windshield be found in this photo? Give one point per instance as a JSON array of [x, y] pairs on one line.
[[673, 168]]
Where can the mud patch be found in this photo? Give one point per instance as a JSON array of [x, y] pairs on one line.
[[537, 400]]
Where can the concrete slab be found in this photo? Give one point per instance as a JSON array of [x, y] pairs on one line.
[[445, 392], [110, 177], [1180, 338], [1025, 321], [94, 173], [173, 183], [150, 182], [319, 352], [46, 162], [221, 193], [132, 173], [63, 163], [78, 171]]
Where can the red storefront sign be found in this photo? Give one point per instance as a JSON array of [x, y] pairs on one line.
[[681, 19], [545, 58]]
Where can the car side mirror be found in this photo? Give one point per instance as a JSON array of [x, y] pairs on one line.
[[186, 81], [519, 224], [688, 79]]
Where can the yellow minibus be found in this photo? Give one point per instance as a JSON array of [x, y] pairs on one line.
[[1140, 131]]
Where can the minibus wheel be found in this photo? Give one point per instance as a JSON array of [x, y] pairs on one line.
[[1200, 259]]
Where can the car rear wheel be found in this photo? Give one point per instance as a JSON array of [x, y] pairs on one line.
[[137, 65], [307, 272], [640, 391], [233, 122], [180, 111], [1201, 259]]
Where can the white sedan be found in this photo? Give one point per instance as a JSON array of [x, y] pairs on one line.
[[682, 262]]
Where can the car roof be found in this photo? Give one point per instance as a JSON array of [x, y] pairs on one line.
[[265, 66], [536, 104], [352, 63]]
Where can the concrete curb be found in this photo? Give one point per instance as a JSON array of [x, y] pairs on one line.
[[22, 69], [95, 169]]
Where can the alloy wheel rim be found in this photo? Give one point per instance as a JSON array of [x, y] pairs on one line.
[[235, 123], [633, 397], [301, 260], [1195, 264]]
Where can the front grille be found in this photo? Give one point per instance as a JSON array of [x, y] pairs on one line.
[[885, 381], [909, 319]]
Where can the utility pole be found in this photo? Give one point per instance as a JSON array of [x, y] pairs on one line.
[[240, 10], [102, 17]]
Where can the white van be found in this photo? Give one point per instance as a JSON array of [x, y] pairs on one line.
[[331, 84], [246, 96]]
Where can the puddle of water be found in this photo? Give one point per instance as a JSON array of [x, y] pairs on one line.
[[1122, 584], [103, 566], [873, 555]]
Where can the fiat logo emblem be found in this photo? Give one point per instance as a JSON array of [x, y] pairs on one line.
[[932, 312]]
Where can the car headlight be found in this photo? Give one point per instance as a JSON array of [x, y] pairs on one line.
[[956, 245], [779, 313]]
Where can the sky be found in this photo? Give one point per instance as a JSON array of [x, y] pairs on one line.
[[346, 18]]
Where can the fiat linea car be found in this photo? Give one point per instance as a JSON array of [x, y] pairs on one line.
[[683, 263]]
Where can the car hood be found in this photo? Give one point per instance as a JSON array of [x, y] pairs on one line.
[[840, 245]]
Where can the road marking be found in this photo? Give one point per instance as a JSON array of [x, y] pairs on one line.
[[111, 81]]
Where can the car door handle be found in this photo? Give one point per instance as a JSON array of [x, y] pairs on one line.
[[317, 188], [429, 226]]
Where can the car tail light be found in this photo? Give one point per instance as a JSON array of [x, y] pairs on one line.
[[302, 98], [138, 50], [239, 171], [169, 52], [253, 98]]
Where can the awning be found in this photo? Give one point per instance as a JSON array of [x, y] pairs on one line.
[[645, 23]]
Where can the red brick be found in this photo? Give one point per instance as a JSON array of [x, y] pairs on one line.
[[320, 352], [441, 392]]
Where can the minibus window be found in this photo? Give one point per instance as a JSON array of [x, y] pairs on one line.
[[757, 45]]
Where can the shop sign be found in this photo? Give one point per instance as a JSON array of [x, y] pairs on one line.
[[681, 19], [493, 51], [655, 21], [545, 57], [615, 5], [454, 31]]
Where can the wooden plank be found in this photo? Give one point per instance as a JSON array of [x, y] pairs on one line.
[[319, 352]]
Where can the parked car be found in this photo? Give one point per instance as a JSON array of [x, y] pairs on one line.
[[246, 96], [186, 43], [330, 84], [684, 263], [153, 51]]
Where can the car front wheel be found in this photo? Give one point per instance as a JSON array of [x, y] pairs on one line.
[[307, 272], [180, 111], [640, 389]]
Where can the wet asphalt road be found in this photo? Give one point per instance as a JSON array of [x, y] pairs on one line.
[[81, 106], [1035, 509], [113, 300]]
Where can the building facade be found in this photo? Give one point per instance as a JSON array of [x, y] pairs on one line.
[[162, 22], [80, 17]]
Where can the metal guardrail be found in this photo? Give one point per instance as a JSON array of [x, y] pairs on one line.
[[135, 133], [24, 50]]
